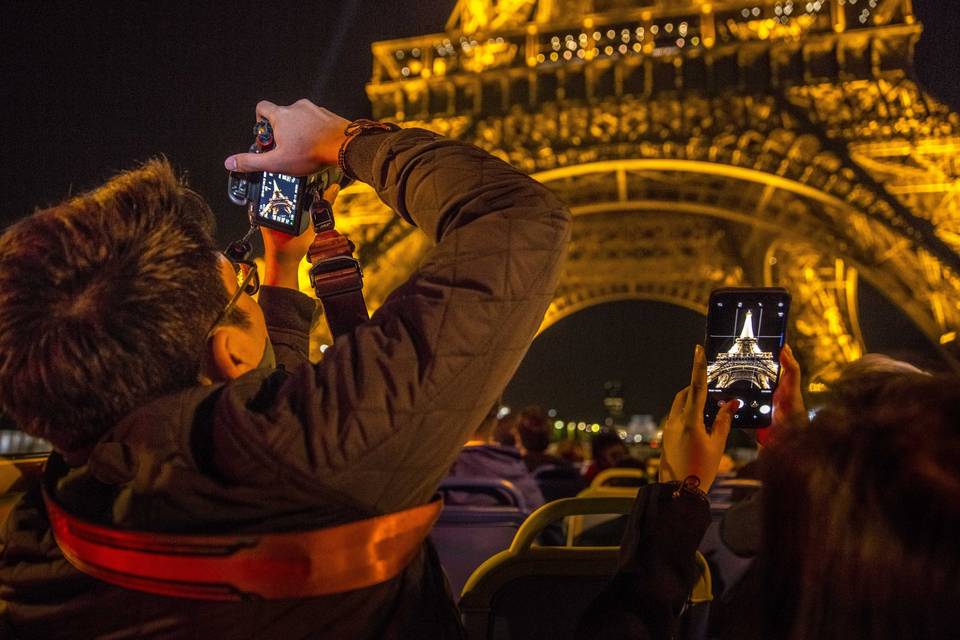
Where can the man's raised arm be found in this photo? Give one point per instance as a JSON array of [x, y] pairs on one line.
[[381, 418]]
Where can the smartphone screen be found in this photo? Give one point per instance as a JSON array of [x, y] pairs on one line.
[[279, 198], [746, 329]]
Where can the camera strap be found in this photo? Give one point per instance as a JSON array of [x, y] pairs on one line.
[[335, 274], [295, 564]]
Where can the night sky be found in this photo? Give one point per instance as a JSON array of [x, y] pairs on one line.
[[91, 88], [98, 86]]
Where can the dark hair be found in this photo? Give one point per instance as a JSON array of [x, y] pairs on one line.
[[105, 301], [862, 515], [534, 429], [603, 441]]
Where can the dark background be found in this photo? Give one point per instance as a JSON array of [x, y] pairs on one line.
[[94, 87]]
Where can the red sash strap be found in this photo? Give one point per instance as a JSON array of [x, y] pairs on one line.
[[246, 566]]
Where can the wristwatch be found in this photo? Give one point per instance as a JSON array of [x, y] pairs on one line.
[[354, 129]]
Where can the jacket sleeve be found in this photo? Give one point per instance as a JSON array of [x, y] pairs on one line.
[[657, 568], [288, 315], [380, 419]]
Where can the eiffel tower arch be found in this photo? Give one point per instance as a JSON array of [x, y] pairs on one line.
[[700, 144]]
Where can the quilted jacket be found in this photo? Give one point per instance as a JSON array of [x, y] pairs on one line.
[[371, 429]]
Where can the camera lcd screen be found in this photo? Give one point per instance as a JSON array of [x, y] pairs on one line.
[[279, 194], [745, 331]]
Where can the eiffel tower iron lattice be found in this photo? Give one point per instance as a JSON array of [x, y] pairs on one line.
[[699, 145]]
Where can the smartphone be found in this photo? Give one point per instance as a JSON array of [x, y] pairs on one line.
[[746, 328]]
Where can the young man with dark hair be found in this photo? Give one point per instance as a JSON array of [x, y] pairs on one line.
[[104, 299], [138, 351]]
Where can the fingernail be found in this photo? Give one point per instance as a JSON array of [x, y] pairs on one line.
[[698, 353], [230, 163]]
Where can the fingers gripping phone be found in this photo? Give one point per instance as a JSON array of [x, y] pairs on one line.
[[746, 328]]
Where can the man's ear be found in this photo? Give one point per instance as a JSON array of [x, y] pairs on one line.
[[229, 354]]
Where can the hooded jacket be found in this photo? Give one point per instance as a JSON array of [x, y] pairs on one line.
[[498, 462], [371, 429]]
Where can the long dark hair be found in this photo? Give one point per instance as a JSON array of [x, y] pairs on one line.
[[862, 515]]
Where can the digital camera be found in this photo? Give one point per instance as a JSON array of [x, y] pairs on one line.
[[276, 200]]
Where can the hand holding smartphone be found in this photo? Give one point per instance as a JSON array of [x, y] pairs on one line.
[[746, 328]]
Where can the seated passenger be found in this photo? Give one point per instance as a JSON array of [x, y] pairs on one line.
[[535, 430], [860, 517], [628, 462], [138, 351], [505, 431], [607, 449], [482, 457]]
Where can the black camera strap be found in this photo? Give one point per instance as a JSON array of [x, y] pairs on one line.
[[335, 274]]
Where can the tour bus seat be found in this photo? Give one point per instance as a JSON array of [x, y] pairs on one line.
[[578, 523], [725, 493], [557, 482], [466, 535], [606, 528], [620, 477], [529, 591]]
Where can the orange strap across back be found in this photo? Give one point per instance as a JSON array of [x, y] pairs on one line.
[[246, 566]]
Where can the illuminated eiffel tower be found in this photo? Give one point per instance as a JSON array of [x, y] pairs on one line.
[[279, 207], [743, 362], [700, 144]]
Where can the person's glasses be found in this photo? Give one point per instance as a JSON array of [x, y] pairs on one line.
[[248, 281]]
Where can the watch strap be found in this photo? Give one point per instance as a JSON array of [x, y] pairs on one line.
[[354, 129]]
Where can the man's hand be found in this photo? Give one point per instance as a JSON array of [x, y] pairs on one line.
[[789, 411], [688, 450], [306, 136], [283, 252]]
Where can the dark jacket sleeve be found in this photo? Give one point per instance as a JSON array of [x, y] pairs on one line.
[[657, 568], [289, 316], [380, 419]]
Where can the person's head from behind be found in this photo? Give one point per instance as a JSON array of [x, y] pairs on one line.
[[862, 513], [114, 298], [534, 429], [607, 449]]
